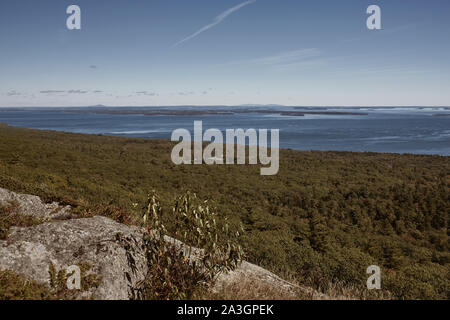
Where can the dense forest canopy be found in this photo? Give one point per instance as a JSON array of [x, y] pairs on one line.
[[323, 219]]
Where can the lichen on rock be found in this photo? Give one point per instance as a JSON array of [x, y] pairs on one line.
[[30, 251]]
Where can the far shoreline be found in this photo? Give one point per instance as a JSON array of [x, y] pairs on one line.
[[169, 111], [5, 125]]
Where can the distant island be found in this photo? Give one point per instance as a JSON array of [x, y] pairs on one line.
[[99, 109]]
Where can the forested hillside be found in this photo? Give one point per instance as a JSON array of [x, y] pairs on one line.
[[322, 220]]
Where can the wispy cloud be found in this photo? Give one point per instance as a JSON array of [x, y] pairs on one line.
[[285, 57], [72, 91], [190, 93], [51, 91], [295, 59], [13, 93], [146, 93], [77, 91], [216, 21]]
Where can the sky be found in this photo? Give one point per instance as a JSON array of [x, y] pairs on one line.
[[224, 52]]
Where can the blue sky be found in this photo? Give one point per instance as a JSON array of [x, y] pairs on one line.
[[227, 52]]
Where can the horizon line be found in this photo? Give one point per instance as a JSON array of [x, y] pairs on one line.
[[236, 105]]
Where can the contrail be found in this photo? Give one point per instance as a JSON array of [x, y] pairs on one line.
[[216, 21]]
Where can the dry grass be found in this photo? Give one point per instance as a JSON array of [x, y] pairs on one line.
[[253, 289], [339, 291], [247, 288], [10, 216], [16, 287]]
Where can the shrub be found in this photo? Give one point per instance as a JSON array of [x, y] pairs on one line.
[[183, 271], [16, 287], [10, 216]]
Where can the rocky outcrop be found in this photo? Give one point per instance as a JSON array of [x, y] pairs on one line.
[[113, 251], [33, 205], [98, 242]]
